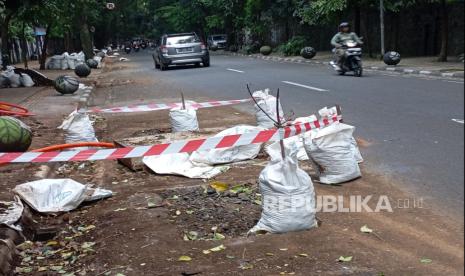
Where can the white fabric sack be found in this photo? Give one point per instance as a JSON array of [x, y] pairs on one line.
[[184, 120], [229, 155], [13, 78], [268, 103], [299, 140], [288, 195], [26, 80], [179, 164], [11, 212], [78, 128], [99, 60], [55, 62], [57, 195], [356, 150], [331, 150]]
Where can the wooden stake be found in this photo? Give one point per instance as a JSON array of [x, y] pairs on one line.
[[183, 101], [281, 141]]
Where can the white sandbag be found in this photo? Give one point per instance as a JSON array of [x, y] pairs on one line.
[[357, 154], [26, 80], [78, 128], [98, 59], [71, 62], [10, 213], [179, 164], [268, 103], [184, 120], [229, 155], [4, 81], [331, 150], [288, 194], [57, 195], [14, 79]]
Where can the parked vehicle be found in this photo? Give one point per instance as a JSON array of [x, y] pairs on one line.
[[217, 42], [352, 59], [127, 49], [181, 49]]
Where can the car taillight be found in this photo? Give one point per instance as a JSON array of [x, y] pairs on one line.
[[203, 47], [164, 50]]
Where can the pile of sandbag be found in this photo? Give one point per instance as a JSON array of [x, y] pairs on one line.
[[334, 151], [267, 103], [9, 78], [66, 61]]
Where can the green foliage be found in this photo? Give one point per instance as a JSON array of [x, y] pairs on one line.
[[293, 46]]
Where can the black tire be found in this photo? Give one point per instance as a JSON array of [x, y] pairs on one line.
[[359, 71], [163, 67], [206, 63], [341, 73]]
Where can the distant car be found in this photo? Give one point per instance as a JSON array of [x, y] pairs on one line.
[[217, 42], [181, 49]]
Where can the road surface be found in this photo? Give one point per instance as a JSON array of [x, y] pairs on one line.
[[414, 125]]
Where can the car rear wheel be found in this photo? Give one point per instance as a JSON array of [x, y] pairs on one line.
[[163, 67], [206, 63]]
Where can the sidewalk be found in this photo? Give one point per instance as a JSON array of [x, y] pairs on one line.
[[427, 66]]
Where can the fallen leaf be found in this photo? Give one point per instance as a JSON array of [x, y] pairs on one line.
[[283, 249], [120, 209], [178, 213], [230, 257], [218, 237], [269, 254], [185, 259], [218, 248], [56, 267], [189, 212], [152, 203], [345, 259], [87, 245], [219, 186], [303, 255], [365, 229], [42, 269], [246, 266], [52, 243], [206, 252], [192, 235], [426, 261]]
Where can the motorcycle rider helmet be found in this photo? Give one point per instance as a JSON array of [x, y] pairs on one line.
[[344, 25]]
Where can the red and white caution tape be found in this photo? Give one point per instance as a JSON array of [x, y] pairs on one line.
[[155, 107], [188, 146]]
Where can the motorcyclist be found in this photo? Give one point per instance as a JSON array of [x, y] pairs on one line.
[[338, 41]]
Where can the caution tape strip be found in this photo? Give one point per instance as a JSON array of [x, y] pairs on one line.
[[185, 146], [155, 107]]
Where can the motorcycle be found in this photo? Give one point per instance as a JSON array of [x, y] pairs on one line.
[[127, 50], [136, 48], [352, 60]]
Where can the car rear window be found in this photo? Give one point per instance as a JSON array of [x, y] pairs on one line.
[[177, 40], [219, 37]]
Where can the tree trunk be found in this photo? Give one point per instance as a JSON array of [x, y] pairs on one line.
[[444, 32], [24, 49], [4, 28], [43, 56], [86, 40]]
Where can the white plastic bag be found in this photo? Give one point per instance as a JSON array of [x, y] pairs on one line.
[[11, 212], [288, 195], [267, 102], [332, 151], [229, 155], [57, 195], [78, 128], [179, 164], [184, 120], [26, 80], [13, 78]]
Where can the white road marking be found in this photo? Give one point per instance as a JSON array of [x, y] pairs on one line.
[[459, 82], [458, 121], [306, 86], [234, 70]]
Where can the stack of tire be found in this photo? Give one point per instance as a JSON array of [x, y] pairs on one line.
[[308, 52]]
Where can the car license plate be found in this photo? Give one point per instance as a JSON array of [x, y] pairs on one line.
[[185, 50]]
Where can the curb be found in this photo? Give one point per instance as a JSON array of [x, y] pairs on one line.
[[406, 71]]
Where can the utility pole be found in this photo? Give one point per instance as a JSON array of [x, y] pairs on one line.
[[381, 19]]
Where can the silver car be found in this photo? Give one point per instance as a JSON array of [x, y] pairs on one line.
[[181, 49], [217, 42]]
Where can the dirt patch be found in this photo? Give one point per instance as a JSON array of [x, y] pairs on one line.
[[206, 212]]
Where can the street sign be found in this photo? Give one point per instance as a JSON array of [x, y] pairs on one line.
[[111, 6]]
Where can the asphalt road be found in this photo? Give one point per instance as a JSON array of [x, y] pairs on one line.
[[409, 121]]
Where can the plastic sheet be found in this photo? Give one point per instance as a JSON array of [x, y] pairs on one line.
[[229, 155], [58, 195], [11, 212]]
